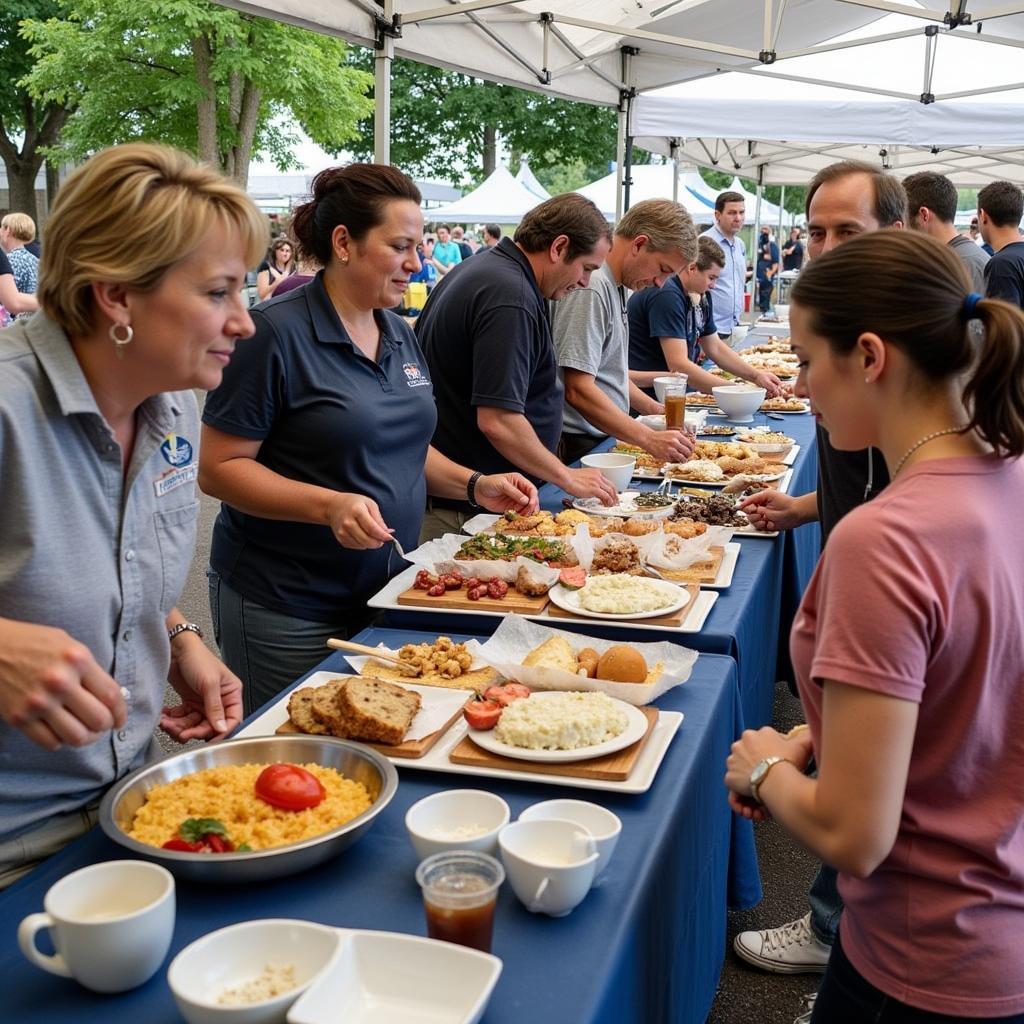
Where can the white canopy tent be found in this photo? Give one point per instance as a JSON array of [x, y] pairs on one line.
[[649, 181], [529, 181], [500, 199]]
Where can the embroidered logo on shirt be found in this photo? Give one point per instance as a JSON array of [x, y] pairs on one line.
[[414, 376], [176, 450]]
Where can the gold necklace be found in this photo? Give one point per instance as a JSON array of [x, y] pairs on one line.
[[924, 440]]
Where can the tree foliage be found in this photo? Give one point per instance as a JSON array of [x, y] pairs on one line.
[[445, 125], [27, 126], [191, 73]]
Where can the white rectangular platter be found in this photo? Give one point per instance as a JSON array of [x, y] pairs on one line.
[[436, 759], [387, 600]]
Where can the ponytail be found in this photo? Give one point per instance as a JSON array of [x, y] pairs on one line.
[[994, 395]]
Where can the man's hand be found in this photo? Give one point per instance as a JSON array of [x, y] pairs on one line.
[[772, 510], [669, 445], [590, 483], [503, 492], [769, 382], [211, 694], [356, 522], [52, 689]]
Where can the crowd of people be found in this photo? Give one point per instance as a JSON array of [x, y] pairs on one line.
[[531, 350]]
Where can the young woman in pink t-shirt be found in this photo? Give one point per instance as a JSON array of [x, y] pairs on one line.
[[908, 647]]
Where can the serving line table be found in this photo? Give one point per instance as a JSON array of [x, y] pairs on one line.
[[645, 947]]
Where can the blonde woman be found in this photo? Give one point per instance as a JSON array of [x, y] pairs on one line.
[[145, 255]]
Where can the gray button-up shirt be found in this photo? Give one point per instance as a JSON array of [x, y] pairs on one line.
[[84, 548], [727, 295]]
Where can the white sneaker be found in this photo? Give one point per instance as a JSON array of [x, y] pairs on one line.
[[790, 949], [808, 1001]]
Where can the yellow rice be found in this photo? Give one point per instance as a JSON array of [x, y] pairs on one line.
[[227, 794]]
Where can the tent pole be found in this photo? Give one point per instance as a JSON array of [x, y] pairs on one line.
[[620, 159], [782, 214], [674, 150], [382, 90], [757, 236]]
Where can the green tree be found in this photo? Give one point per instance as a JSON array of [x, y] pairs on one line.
[[27, 125], [448, 126], [194, 74]]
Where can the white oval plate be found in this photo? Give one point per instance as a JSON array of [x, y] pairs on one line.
[[625, 509], [569, 601], [636, 726]]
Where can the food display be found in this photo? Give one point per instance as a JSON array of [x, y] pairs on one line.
[[715, 462], [704, 470], [623, 594], [700, 400], [651, 500], [619, 664], [228, 797], [617, 554], [714, 510], [716, 430], [485, 710], [503, 548], [645, 461], [785, 405], [355, 708], [544, 524], [766, 437], [562, 721]]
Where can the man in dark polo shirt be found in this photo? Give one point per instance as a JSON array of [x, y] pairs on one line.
[[1000, 206], [843, 200], [487, 340]]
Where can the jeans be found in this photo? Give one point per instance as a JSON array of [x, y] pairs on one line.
[[764, 293], [266, 649], [826, 905], [847, 998]]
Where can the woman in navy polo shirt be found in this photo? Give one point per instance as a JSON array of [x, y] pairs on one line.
[[318, 441]]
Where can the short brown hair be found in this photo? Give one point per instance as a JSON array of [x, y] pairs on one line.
[[128, 215], [21, 225], [355, 196], [910, 289], [728, 197], [568, 214], [709, 253], [1002, 202], [890, 197], [666, 223], [934, 191]]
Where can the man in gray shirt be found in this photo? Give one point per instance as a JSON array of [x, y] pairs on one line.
[[932, 202], [654, 240]]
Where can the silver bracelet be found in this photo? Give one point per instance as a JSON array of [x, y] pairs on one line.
[[184, 627]]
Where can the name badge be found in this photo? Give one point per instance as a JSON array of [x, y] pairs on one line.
[[174, 478]]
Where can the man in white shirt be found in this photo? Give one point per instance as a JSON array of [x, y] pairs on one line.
[[727, 295]]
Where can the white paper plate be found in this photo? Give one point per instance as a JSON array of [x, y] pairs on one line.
[[636, 726], [625, 508], [569, 600]]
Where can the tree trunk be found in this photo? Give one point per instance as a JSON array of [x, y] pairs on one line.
[[21, 176], [245, 130], [490, 150], [206, 108], [52, 184]]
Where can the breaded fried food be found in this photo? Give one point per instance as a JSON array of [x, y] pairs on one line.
[[686, 528], [639, 527], [571, 517]]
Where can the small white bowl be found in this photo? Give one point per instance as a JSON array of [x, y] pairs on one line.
[[604, 826], [434, 823], [660, 383], [230, 957], [617, 468], [383, 976], [695, 419], [739, 402]]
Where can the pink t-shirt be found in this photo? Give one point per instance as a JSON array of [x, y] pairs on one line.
[[920, 595]]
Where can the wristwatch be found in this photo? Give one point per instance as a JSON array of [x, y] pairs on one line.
[[760, 773], [184, 627], [471, 490]]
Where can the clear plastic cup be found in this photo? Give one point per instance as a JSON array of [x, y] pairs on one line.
[[460, 890], [675, 405]]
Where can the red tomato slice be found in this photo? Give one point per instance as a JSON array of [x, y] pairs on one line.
[[518, 690], [290, 787], [184, 846], [482, 714], [500, 695]]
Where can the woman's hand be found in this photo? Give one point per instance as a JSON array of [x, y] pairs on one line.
[[772, 510], [503, 492], [211, 694], [768, 381], [754, 746], [52, 689], [356, 522]]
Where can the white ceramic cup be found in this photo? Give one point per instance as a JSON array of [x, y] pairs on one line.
[[603, 826], [111, 925], [617, 469], [550, 864], [446, 821]]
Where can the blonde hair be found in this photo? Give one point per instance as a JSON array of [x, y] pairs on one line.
[[127, 216], [666, 223], [21, 225]]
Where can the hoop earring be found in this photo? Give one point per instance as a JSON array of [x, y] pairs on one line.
[[120, 343]]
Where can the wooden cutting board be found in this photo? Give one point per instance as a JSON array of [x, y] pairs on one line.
[[611, 768], [699, 572], [675, 619], [412, 749], [451, 600]]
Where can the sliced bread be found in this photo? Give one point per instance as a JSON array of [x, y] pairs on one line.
[[322, 705], [374, 710], [300, 711]]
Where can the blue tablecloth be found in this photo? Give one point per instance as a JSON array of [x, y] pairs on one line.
[[646, 947]]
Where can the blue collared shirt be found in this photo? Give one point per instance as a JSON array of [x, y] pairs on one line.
[[727, 295]]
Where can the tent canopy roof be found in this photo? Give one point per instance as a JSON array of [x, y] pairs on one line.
[[500, 198]]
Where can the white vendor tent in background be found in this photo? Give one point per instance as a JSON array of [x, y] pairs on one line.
[[650, 181], [529, 181], [500, 199]]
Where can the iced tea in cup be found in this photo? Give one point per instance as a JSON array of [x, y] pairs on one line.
[[460, 889], [675, 404]]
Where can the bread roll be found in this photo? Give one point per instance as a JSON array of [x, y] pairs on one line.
[[622, 664], [588, 659]]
